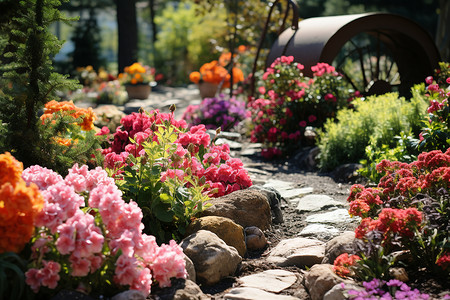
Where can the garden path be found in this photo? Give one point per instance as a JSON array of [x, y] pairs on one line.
[[314, 204]]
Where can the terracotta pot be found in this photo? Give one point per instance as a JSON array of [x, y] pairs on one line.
[[138, 91], [207, 89]]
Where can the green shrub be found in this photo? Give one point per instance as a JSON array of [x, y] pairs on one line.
[[375, 120]]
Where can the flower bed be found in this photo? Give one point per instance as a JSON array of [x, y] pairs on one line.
[[407, 213], [291, 105]]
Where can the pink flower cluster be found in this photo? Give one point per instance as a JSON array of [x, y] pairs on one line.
[[193, 151], [291, 102], [84, 225]]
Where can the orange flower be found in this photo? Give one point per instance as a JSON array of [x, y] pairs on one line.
[[11, 169], [195, 77], [19, 205], [242, 48]]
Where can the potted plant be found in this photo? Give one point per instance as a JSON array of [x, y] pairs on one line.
[[213, 76], [136, 79]]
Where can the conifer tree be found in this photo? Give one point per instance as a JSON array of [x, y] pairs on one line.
[[27, 79]]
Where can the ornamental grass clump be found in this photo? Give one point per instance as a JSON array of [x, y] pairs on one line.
[[88, 238], [408, 212], [170, 171], [221, 111], [291, 104]]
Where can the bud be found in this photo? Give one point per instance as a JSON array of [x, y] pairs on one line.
[[218, 130], [191, 148], [172, 108], [154, 127], [141, 110]]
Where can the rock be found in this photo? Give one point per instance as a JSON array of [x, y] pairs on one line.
[[337, 216], [273, 281], [248, 293], [190, 269], [212, 257], [307, 158], [248, 207], [181, 289], [254, 238], [231, 233], [344, 243], [313, 203], [274, 198], [299, 252], [233, 145], [347, 173], [71, 295], [320, 231], [320, 279], [129, 295], [399, 274]]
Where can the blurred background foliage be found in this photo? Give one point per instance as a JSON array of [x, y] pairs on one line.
[[177, 37]]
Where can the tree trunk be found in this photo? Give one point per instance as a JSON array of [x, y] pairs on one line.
[[127, 29], [443, 34], [152, 20]]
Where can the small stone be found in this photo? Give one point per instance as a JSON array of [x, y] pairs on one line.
[[255, 238]]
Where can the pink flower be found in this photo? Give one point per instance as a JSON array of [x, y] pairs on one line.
[[169, 262], [103, 131], [429, 80], [41, 176], [80, 266], [312, 118], [172, 173], [330, 97], [127, 270], [262, 90], [302, 123]]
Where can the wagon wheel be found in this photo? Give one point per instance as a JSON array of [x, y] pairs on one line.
[[368, 65], [376, 52]]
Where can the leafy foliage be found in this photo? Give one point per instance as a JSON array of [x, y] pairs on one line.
[[167, 204], [375, 121], [185, 40], [436, 132], [291, 105], [28, 78]]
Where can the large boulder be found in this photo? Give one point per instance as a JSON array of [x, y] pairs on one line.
[[344, 243], [231, 233], [181, 289], [212, 257], [320, 279], [249, 207]]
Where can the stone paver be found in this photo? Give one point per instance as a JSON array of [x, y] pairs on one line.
[[270, 281], [336, 216], [314, 203], [248, 293]]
